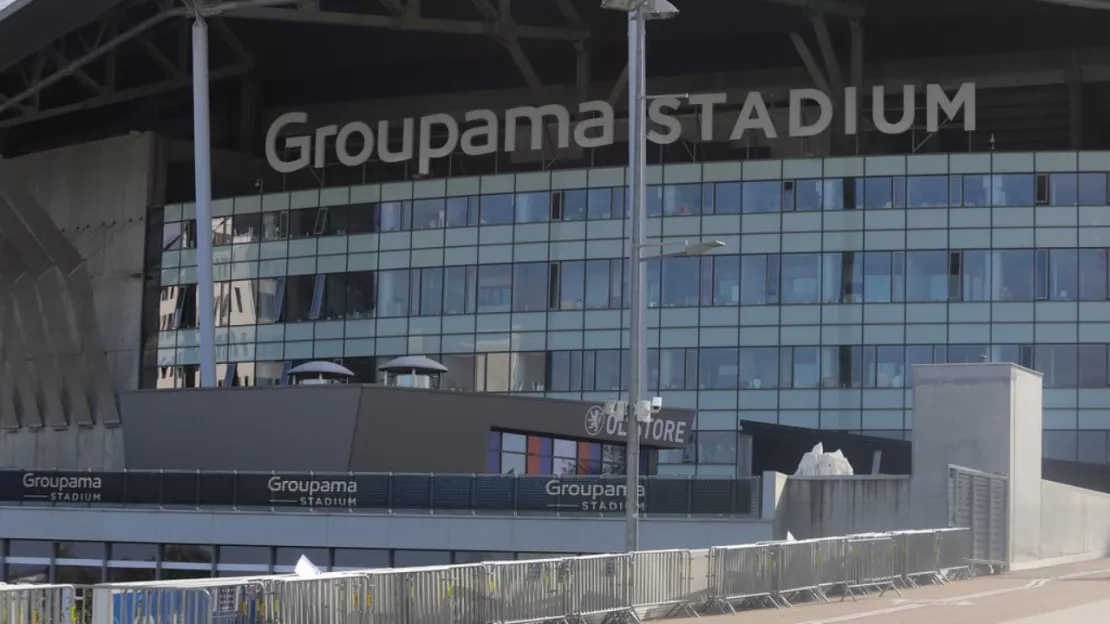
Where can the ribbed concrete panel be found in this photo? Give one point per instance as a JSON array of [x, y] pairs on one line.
[[14, 382]]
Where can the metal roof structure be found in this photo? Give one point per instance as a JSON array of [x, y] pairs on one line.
[[62, 61]]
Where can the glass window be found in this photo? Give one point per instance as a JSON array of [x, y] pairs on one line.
[[454, 290], [878, 193], [808, 194], [927, 191], [718, 369], [529, 372], [288, 557], [1063, 189], [654, 200], [597, 284], [884, 366], [763, 196], [680, 288], [575, 205], [572, 285], [429, 214], [431, 291], [497, 367], [672, 369], [1063, 275], [600, 203], [392, 216], [1058, 364], [682, 199], [1092, 189], [360, 299], [1092, 274], [977, 190], [1060, 445], [533, 207], [716, 447], [801, 278], [758, 284], [726, 280], [1012, 189], [975, 276], [759, 367], [607, 370], [926, 276], [805, 367], [460, 372], [335, 296], [332, 221], [495, 287], [1013, 275], [299, 293], [361, 218], [134, 552], [729, 198], [842, 367], [462, 211], [1091, 370], [496, 209], [393, 293], [917, 354], [360, 559], [530, 286], [877, 270], [558, 371], [246, 228], [302, 223]]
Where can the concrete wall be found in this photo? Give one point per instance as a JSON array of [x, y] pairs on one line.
[[347, 530], [74, 230], [985, 417], [812, 507], [1075, 523]]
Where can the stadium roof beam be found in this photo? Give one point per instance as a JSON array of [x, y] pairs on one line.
[[828, 7], [411, 22], [1100, 5]]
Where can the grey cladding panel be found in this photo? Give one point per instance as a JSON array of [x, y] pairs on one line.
[[295, 428]]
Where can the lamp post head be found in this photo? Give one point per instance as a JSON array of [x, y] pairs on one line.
[[652, 9]]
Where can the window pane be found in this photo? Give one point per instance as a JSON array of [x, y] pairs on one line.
[[728, 199], [1063, 275], [1092, 274], [572, 285], [530, 286], [608, 370], [1063, 189], [533, 207], [759, 367], [335, 296], [762, 196], [877, 193], [529, 372], [726, 280], [927, 191], [808, 195], [601, 203], [801, 278], [458, 211], [431, 291], [1013, 275], [877, 267], [360, 558], [428, 214], [575, 205], [1092, 189], [454, 290], [497, 209], [682, 199], [672, 369], [927, 276], [495, 287], [680, 288], [460, 372], [497, 372], [976, 276], [1058, 365], [1012, 189], [597, 284], [754, 280], [718, 369], [393, 293], [716, 447], [392, 216], [977, 190], [299, 290], [1092, 366]]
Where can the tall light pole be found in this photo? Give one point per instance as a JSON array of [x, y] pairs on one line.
[[639, 11]]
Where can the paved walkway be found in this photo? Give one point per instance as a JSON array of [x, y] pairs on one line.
[[1075, 594]]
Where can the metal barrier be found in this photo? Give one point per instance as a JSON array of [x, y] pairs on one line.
[[573, 590], [36, 604]]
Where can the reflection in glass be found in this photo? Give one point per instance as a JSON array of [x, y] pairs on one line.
[[530, 286], [1012, 272], [495, 285], [976, 275], [718, 368], [759, 367], [1012, 189], [762, 196], [927, 191], [679, 288], [393, 293], [801, 278], [575, 205], [428, 214], [682, 199], [728, 197], [496, 209], [533, 207], [926, 276], [808, 195]]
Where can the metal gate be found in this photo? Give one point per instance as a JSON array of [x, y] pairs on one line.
[[978, 501]]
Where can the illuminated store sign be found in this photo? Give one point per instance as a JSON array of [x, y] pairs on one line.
[[437, 136]]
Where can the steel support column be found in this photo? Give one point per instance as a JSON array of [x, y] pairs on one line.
[[202, 167]]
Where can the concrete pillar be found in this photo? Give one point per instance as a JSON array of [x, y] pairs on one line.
[[986, 417]]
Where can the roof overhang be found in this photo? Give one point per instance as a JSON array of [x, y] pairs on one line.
[[26, 26]]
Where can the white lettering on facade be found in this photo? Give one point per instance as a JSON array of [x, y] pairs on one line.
[[479, 135], [308, 493], [64, 489]]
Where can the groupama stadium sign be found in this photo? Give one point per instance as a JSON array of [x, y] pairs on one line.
[[480, 133]]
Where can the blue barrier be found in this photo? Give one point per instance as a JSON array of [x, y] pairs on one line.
[[229, 604]]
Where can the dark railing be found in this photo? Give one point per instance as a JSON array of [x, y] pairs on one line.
[[381, 492]]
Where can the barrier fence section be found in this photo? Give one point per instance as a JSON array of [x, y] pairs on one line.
[[627, 587]]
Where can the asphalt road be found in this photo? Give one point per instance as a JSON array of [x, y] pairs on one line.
[[1075, 594]]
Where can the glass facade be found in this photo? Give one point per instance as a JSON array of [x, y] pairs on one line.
[[837, 276], [85, 563]]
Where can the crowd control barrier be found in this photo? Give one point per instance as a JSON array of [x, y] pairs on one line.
[[37, 604], [626, 588]]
